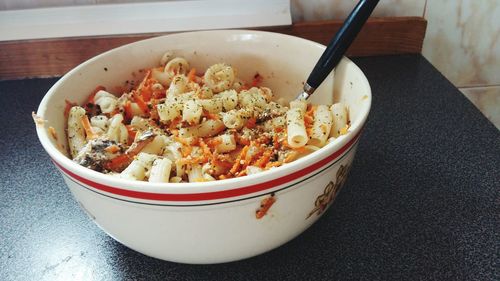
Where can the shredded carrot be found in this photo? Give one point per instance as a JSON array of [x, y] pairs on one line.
[[88, 129], [221, 160], [128, 111], [144, 80], [242, 141], [131, 134], [276, 143], [221, 163], [192, 74], [265, 205], [141, 103], [117, 163], [195, 160], [186, 150], [309, 115], [262, 161], [183, 141], [309, 130], [112, 148], [205, 148], [251, 123], [213, 142], [249, 158], [242, 173], [308, 120], [237, 165], [146, 93], [175, 122]]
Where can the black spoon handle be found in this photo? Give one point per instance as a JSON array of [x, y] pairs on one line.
[[342, 40]]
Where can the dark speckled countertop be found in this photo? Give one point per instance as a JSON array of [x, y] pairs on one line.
[[422, 200]]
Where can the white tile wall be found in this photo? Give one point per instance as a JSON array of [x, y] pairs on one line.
[[305, 10], [487, 99]]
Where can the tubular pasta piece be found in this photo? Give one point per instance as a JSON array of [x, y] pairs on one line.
[[300, 104], [117, 131], [177, 66], [219, 77], [321, 126], [138, 169], [229, 99], [177, 86], [165, 78], [297, 135], [339, 113], [106, 101], [168, 112], [191, 112], [195, 174], [156, 145], [252, 98], [76, 132], [236, 119], [207, 128], [99, 121], [160, 171], [140, 123], [213, 105], [205, 93]]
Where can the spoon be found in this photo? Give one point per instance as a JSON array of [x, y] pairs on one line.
[[338, 46]]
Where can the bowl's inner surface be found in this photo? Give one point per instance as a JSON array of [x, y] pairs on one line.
[[284, 61]]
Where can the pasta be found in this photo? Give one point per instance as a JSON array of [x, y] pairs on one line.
[[178, 125], [340, 120], [76, 136], [219, 77], [297, 135], [321, 126], [106, 101], [160, 171]]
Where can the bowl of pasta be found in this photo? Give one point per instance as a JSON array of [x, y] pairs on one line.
[[190, 148]]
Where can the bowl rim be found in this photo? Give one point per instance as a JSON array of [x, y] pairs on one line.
[[178, 191]]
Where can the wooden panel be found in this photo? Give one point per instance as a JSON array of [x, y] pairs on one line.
[[54, 57]]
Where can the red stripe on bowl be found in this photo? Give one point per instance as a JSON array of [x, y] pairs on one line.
[[204, 196]]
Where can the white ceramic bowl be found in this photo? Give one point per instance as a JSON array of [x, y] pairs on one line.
[[212, 222]]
